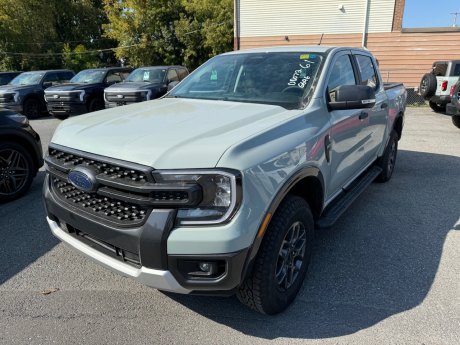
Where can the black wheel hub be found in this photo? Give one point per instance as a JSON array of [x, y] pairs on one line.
[[13, 171], [291, 255]]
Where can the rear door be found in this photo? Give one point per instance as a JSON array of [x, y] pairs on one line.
[[346, 136]]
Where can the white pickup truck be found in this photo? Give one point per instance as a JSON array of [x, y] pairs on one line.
[[218, 187]]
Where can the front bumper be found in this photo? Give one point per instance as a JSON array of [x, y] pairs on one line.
[[66, 108], [141, 252], [109, 105], [12, 106]]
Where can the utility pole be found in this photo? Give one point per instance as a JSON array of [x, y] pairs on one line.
[[455, 14]]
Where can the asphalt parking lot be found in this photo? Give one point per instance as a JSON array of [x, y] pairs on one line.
[[387, 273]]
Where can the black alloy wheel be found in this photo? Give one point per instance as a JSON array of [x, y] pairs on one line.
[[16, 171]]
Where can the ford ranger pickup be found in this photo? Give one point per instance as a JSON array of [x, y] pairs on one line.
[[218, 187]]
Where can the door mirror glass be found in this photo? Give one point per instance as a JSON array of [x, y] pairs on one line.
[[352, 97]]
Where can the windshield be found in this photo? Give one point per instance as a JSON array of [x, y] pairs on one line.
[[89, 76], [28, 78], [283, 79], [147, 75]]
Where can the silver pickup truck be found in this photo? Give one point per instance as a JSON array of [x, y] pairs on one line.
[[218, 187]]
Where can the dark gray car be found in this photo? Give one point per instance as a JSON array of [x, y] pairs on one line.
[[144, 84], [25, 93]]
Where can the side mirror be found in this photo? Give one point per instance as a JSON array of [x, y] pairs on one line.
[[352, 97], [172, 84], [47, 84]]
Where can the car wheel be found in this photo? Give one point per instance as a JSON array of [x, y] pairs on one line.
[[428, 85], [388, 160], [16, 171], [282, 261], [95, 104], [456, 121], [437, 107], [31, 108]]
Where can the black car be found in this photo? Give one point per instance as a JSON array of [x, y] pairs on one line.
[[24, 94], [453, 108], [6, 77], [84, 93], [144, 84], [20, 155]]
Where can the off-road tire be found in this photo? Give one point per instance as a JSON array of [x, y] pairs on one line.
[[261, 290], [9, 189], [437, 107], [456, 121], [32, 108], [388, 160], [95, 104], [428, 85]]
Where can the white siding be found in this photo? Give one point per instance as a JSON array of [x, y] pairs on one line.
[[304, 17]]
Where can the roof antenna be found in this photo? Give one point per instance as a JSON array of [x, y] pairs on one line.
[[321, 39]]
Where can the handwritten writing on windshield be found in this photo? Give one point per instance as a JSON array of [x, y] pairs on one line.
[[300, 77]]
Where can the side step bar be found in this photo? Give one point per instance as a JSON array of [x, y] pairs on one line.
[[340, 205]]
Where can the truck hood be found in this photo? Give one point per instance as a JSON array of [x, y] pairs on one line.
[[72, 87], [131, 86], [13, 88], [168, 133]]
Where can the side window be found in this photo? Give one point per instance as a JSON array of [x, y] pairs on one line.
[[182, 73], [172, 75], [124, 74], [456, 70], [65, 76], [52, 78], [113, 77], [342, 74], [367, 71]]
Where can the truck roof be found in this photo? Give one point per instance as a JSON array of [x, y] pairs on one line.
[[287, 49]]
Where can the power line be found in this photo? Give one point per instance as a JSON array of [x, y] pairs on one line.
[[69, 53], [62, 42]]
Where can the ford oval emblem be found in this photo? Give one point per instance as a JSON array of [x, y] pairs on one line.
[[83, 178]]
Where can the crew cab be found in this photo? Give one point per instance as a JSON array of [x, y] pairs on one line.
[[24, 94], [144, 84], [20, 155], [435, 86], [218, 187], [84, 93]]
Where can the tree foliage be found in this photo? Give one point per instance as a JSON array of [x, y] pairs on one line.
[[69, 33]]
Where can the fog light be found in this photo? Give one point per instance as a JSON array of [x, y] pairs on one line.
[[205, 266]]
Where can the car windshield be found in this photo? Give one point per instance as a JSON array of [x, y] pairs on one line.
[[89, 76], [28, 78], [284, 79], [147, 75]]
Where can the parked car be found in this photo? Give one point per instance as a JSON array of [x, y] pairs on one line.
[[436, 85], [217, 186], [144, 84], [6, 77], [24, 93], [453, 108], [20, 155], [84, 93]]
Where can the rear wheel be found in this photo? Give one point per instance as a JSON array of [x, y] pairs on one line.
[[456, 121], [32, 108], [95, 104], [388, 160], [439, 108], [16, 171], [282, 262]]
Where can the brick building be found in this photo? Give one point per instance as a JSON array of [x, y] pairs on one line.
[[404, 54]]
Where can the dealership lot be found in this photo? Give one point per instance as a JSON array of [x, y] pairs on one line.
[[387, 272]]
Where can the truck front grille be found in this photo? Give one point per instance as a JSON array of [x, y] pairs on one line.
[[125, 97]]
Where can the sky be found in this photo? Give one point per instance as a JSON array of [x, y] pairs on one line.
[[430, 13]]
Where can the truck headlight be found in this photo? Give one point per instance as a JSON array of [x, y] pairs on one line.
[[17, 97], [221, 191], [81, 95], [147, 94]]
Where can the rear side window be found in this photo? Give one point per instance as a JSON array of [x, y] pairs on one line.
[[114, 77], [182, 73], [456, 70], [172, 75], [65, 76], [367, 71]]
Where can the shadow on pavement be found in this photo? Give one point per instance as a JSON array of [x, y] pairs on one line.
[[25, 235], [379, 260]]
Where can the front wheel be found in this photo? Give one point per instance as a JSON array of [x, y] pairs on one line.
[[32, 108], [16, 171], [283, 258], [456, 121]]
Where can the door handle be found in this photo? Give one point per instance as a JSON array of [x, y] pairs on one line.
[[384, 106], [363, 115]]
